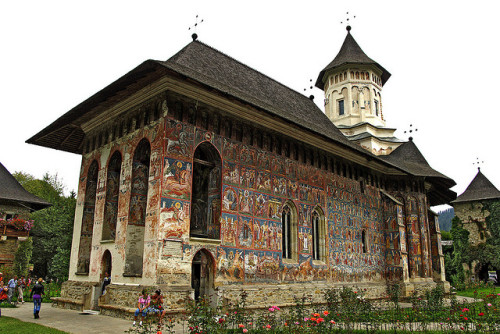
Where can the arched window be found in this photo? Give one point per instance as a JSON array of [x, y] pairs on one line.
[[134, 247], [336, 78], [352, 75], [206, 195], [363, 241], [88, 220], [318, 235], [112, 192], [357, 75], [289, 231]]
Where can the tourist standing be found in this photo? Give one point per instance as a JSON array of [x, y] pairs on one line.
[[21, 285], [37, 292], [105, 282], [12, 287]]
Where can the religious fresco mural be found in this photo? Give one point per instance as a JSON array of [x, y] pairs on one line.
[[267, 234], [348, 214], [139, 184], [414, 239], [263, 182], [245, 232], [230, 264], [134, 249], [174, 218], [112, 193], [230, 198], [230, 173], [238, 198], [87, 229], [262, 266], [179, 140], [246, 200], [229, 229], [176, 179]]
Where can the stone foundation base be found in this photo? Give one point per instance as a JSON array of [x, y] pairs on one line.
[[120, 300]]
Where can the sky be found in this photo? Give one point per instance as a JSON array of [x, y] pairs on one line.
[[443, 57]]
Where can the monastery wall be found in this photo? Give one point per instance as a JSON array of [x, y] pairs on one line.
[[363, 238], [473, 215]]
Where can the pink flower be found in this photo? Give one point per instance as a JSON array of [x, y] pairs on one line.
[[241, 326], [277, 308], [245, 330], [465, 310], [271, 309], [332, 322], [489, 304], [268, 326]]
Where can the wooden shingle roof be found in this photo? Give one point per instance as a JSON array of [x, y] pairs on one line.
[[350, 53], [12, 191], [479, 189]]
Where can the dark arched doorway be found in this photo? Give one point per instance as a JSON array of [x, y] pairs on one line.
[[106, 264], [202, 274]]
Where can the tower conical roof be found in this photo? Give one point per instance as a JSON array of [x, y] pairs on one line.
[[350, 53], [480, 188]]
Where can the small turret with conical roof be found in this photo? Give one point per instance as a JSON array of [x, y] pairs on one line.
[[352, 83]]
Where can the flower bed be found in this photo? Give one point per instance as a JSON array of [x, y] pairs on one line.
[[347, 311]]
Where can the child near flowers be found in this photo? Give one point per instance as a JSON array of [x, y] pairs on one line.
[[142, 307]]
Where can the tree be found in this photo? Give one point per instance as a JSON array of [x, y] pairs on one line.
[[22, 257], [454, 268], [53, 229]]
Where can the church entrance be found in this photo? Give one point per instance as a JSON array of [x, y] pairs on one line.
[[202, 275], [106, 264]]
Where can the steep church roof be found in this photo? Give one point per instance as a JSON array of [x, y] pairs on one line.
[[479, 189], [13, 191], [217, 70], [350, 53], [208, 66], [409, 158]]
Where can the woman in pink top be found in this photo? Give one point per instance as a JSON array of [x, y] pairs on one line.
[[142, 307]]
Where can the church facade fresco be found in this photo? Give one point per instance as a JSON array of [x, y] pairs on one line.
[[366, 234]]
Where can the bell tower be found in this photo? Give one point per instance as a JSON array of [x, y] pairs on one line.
[[353, 83]]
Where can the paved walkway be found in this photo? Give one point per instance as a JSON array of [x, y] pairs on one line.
[[68, 320]]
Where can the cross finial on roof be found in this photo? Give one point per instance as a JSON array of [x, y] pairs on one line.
[[310, 89], [346, 21], [194, 35], [410, 131], [478, 163]]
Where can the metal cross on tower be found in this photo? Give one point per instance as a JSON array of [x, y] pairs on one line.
[[478, 163], [194, 35], [410, 131], [347, 21], [310, 89]]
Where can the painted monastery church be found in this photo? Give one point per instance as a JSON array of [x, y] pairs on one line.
[[204, 177]]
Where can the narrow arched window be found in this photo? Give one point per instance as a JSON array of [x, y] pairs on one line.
[[286, 219], [112, 193], [206, 195], [289, 231], [87, 229], [363, 241], [318, 236], [134, 247]]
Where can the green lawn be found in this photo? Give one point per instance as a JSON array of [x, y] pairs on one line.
[[14, 326], [479, 293]]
